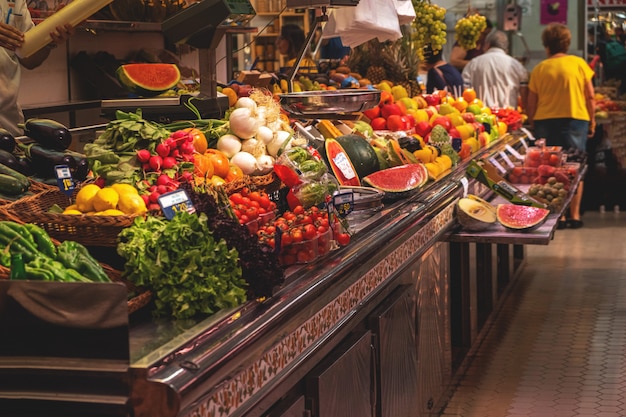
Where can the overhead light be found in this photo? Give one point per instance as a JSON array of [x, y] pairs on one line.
[[621, 15]]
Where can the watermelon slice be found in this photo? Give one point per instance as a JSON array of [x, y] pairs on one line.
[[398, 179], [148, 80], [340, 164], [521, 218]]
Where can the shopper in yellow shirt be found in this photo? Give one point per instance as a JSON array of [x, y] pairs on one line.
[[561, 107]]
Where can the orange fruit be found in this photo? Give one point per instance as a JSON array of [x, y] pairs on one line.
[[203, 166], [231, 94], [234, 173], [200, 143], [221, 164], [469, 94]]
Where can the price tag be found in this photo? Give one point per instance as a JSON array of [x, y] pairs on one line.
[[343, 203], [175, 202], [343, 163], [497, 165], [527, 132], [513, 152], [64, 179], [506, 159], [465, 184], [524, 144]]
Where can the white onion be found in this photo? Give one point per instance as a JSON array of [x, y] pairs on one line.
[[243, 123], [229, 144], [265, 134], [246, 102], [276, 144], [265, 164], [260, 115], [245, 161]]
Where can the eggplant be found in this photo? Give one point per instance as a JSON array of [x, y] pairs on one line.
[[48, 133], [82, 168], [44, 160], [15, 163], [7, 141]]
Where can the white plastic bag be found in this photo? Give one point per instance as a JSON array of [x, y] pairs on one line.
[[405, 11]]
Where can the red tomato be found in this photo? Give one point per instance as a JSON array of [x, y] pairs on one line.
[[343, 238], [309, 232]]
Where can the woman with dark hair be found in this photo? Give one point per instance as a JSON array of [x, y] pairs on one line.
[[561, 106], [290, 43], [441, 75]]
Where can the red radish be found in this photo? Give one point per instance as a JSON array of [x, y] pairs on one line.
[[146, 198], [143, 155], [163, 179], [187, 148], [169, 162], [100, 182], [186, 176], [155, 162], [154, 197], [175, 153], [154, 207], [152, 188], [170, 142], [161, 189], [146, 167], [179, 134], [162, 150]]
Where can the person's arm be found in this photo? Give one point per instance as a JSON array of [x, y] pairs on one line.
[[523, 93], [531, 107], [590, 103], [457, 57], [10, 37], [59, 36]]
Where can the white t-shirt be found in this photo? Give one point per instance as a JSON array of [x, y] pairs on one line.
[[496, 77], [15, 13]]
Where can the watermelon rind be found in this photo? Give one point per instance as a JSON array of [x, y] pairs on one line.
[[398, 179], [148, 80], [521, 218], [362, 155]]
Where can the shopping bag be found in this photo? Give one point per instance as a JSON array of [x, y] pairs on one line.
[[405, 11]]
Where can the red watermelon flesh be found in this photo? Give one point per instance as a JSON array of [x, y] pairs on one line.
[[148, 80], [340, 164], [517, 217], [398, 179]]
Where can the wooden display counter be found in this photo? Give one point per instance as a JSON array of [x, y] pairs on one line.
[[377, 328]]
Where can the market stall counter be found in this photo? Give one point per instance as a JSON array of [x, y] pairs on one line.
[[397, 310]]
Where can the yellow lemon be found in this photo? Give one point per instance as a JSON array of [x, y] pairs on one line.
[[72, 211], [132, 204], [105, 199], [84, 198], [123, 188], [111, 212], [71, 207]]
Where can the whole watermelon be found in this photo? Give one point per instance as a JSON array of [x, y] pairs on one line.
[[361, 154]]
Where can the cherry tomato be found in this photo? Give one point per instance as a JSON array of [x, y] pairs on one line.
[[265, 201], [236, 198], [286, 240], [296, 235], [309, 232], [343, 238], [298, 210], [306, 219], [252, 213]]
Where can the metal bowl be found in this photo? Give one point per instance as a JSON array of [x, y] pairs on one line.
[[329, 102]]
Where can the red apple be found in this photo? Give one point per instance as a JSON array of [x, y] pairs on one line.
[[443, 121], [432, 99], [454, 133], [422, 128], [389, 109], [395, 123], [478, 127], [379, 123], [372, 113], [431, 110], [409, 121]]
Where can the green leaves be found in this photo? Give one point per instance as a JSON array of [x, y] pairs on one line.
[[188, 270]]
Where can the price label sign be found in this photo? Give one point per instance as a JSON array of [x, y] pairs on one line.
[[343, 202], [513, 152], [498, 166], [175, 202], [506, 159], [465, 184], [64, 179]]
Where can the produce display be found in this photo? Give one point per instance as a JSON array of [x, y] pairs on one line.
[[258, 195]]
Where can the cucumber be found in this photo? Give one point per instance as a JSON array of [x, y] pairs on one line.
[[10, 185], [23, 180]]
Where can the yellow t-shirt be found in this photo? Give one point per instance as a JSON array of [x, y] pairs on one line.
[[560, 87]]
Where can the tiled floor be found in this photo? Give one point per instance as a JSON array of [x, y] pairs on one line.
[[558, 346]]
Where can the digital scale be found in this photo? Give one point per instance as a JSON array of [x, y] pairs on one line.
[[201, 25]]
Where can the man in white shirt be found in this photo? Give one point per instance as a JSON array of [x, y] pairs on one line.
[[497, 77], [15, 19]]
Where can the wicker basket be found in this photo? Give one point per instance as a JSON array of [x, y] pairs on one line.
[[36, 187], [85, 229], [268, 183]]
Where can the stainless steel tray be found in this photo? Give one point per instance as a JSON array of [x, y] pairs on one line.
[[329, 103]]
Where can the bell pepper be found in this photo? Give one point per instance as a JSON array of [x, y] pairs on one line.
[[14, 238], [42, 239], [76, 256]]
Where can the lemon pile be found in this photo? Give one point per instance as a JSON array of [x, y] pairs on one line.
[[116, 200]]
